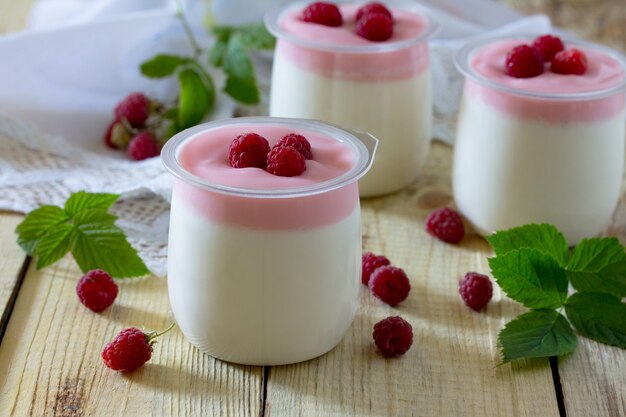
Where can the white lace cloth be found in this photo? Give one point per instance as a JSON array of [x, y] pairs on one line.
[[59, 83]]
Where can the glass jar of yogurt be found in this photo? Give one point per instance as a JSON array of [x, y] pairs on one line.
[[263, 269], [331, 74], [546, 149]]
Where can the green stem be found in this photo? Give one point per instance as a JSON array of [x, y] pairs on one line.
[[197, 51], [152, 336]]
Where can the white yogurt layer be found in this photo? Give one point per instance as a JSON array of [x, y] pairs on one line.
[[397, 112], [510, 171], [233, 301]]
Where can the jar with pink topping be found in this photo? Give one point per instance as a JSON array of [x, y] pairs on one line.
[[543, 149], [381, 87], [265, 269]]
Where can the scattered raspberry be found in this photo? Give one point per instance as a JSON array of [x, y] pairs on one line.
[[476, 290], [120, 137], [523, 61], [376, 27], [571, 61], [374, 7], [548, 46], [248, 150], [286, 162], [107, 136], [143, 146], [370, 263], [323, 13], [390, 284], [96, 290], [445, 224], [130, 349], [298, 142], [135, 108], [393, 336]]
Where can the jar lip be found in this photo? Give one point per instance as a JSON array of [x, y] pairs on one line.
[[363, 157], [465, 54], [272, 18]]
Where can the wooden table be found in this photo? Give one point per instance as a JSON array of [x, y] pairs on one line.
[[50, 344]]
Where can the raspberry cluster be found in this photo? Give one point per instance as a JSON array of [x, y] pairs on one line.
[[286, 159], [374, 21], [527, 61], [393, 336], [129, 129]]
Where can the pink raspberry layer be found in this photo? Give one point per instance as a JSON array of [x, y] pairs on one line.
[[206, 156], [604, 72]]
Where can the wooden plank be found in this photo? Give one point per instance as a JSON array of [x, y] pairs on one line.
[[11, 261], [594, 377], [50, 357], [451, 368]]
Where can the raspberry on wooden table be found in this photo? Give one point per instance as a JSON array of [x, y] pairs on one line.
[[135, 108], [130, 349], [390, 284], [96, 290], [548, 46], [298, 142], [571, 61], [524, 61], [285, 161], [373, 7], [370, 263], [248, 150], [323, 13], [476, 290], [445, 224], [375, 27], [143, 146], [393, 336]]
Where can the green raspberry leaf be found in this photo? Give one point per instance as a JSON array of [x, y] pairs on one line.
[[83, 200], [94, 216], [256, 36], [543, 237], [36, 224], [162, 65], [598, 265], [531, 277], [54, 245], [98, 246], [197, 96], [536, 334], [598, 316], [240, 82], [218, 52]]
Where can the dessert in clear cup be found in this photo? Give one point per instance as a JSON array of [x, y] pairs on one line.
[[265, 269], [332, 73], [545, 146]]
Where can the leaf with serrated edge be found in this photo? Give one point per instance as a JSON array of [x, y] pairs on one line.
[[36, 224], [598, 316], [536, 334], [543, 237], [197, 96], [162, 65], [83, 200], [54, 245], [106, 247], [256, 36], [240, 81], [530, 277], [598, 265]]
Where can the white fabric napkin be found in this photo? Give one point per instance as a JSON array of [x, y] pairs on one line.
[[61, 77]]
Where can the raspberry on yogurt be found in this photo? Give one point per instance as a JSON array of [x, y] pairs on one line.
[[375, 27], [373, 7], [571, 61], [524, 61], [322, 13]]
